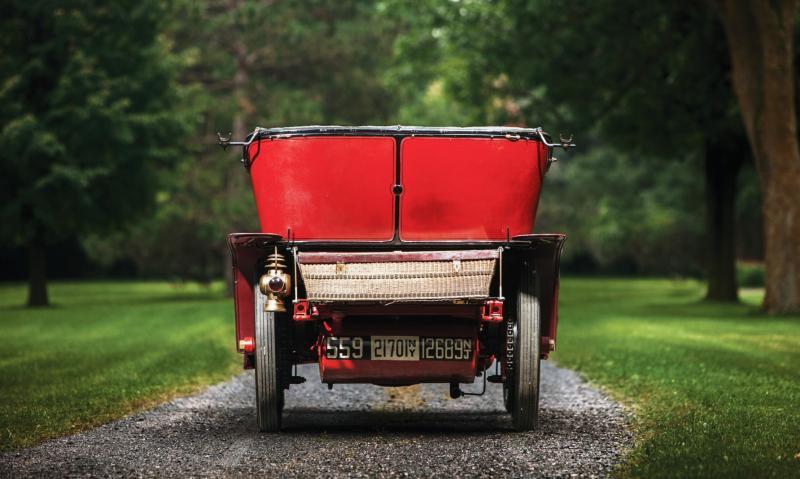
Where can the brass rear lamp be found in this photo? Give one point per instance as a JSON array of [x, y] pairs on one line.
[[275, 283]]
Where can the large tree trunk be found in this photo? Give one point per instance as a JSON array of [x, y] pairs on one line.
[[722, 171], [760, 36], [37, 274]]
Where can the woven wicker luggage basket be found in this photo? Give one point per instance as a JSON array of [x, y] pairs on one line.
[[398, 276]]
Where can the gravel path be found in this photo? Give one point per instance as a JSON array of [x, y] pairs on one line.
[[355, 430]]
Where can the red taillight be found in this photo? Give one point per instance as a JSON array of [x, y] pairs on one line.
[[247, 345]]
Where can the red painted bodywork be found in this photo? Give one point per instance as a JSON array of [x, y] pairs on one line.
[[469, 188], [330, 188], [325, 188], [302, 311], [492, 311], [246, 250], [546, 251], [400, 190]]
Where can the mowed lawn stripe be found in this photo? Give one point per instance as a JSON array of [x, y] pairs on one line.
[[106, 349], [715, 387]]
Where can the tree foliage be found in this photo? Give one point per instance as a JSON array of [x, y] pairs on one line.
[[87, 114], [97, 99], [253, 63], [651, 81]]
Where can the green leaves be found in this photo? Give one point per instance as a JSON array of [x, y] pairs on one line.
[[88, 109], [245, 64]]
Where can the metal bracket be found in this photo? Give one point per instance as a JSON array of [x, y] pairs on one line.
[[500, 272], [225, 141], [565, 143], [296, 278], [456, 391]]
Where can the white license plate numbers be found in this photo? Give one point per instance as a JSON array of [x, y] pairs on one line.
[[394, 348], [398, 348]]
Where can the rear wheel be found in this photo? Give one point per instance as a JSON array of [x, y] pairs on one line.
[[269, 387], [523, 392]]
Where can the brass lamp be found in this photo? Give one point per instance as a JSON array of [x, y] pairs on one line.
[[275, 283]]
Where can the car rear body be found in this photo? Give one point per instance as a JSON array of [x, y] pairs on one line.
[[403, 247]]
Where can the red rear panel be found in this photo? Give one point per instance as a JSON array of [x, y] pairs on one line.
[[401, 372], [469, 188], [325, 188]]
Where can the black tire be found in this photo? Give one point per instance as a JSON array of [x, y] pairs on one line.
[[507, 397], [269, 388], [524, 390]]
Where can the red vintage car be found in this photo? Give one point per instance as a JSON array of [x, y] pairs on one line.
[[396, 256]]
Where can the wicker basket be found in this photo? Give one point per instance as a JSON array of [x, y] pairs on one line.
[[398, 276]]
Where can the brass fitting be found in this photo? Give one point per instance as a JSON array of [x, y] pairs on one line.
[[275, 283]]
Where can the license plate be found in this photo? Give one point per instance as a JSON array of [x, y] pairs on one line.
[[398, 348]]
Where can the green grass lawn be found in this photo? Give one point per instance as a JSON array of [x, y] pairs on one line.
[[715, 388], [103, 350]]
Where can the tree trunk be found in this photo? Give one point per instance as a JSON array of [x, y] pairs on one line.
[[232, 183], [37, 274], [722, 171], [760, 36], [236, 180]]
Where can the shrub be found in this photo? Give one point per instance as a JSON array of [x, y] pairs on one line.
[[750, 274]]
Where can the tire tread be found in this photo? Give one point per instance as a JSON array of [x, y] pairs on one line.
[[525, 411], [268, 389]]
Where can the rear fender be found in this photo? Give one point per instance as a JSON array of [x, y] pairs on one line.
[[545, 251], [246, 251]]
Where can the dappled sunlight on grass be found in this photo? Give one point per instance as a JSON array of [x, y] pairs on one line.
[[97, 293]]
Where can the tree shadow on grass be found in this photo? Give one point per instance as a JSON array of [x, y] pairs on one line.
[[701, 310], [134, 300]]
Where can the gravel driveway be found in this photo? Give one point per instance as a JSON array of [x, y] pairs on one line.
[[354, 430]]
